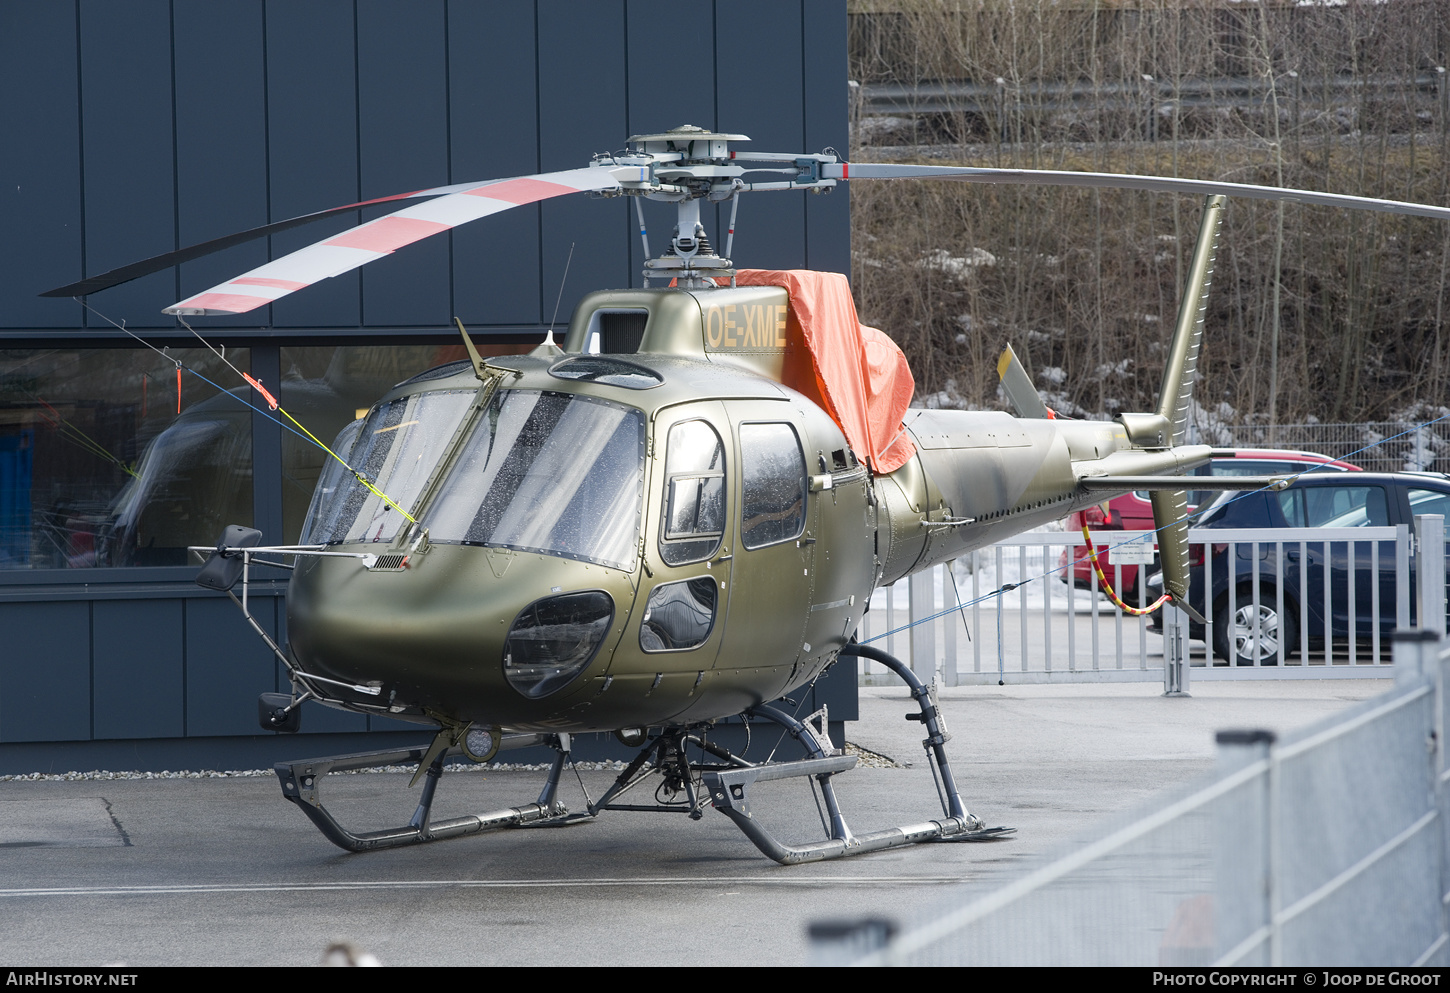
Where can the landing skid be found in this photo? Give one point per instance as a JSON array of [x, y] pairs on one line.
[[686, 787], [728, 788], [302, 784]]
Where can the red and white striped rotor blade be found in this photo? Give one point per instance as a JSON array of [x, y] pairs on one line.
[[357, 246]]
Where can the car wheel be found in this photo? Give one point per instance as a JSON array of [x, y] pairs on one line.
[[1233, 638]]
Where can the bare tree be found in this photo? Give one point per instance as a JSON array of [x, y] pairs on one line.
[[1315, 312]]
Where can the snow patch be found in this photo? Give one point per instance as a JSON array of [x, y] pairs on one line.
[[960, 266]]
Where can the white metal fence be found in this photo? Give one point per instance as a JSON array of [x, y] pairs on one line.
[[1381, 446], [947, 624], [1327, 847]]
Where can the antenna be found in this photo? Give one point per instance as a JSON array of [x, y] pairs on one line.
[[549, 338]]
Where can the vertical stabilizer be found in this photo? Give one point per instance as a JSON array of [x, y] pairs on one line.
[[1182, 363], [1170, 508]]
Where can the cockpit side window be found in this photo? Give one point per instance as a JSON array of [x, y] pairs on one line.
[[773, 485], [396, 449], [694, 497], [333, 481]]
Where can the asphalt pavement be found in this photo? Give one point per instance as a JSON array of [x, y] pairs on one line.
[[224, 871]]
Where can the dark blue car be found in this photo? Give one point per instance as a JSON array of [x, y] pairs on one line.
[[1312, 501]]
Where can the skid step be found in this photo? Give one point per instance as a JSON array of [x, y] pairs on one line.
[[783, 770]]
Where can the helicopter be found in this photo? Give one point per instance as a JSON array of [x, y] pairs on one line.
[[678, 516]]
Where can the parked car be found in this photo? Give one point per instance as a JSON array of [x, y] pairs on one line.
[[1133, 512], [1318, 500]]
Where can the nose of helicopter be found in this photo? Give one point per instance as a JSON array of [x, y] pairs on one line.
[[469, 633]]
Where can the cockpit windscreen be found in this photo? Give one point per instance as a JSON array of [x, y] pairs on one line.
[[397, 448], [547, 472]]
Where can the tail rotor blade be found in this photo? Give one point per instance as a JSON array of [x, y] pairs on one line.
[[1018, 387]]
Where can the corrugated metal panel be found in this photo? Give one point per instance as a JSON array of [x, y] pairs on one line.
[[313, 144], [758, 49], [221, 142], [40, 202], [45, 684], [581, 111], [137, 665], [129, 174], [227, 665], [494, 132], [403, 145]]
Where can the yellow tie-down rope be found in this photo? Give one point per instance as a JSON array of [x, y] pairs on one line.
[[1108, 589], [272, 402]]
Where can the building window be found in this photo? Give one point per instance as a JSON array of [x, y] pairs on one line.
[[106, 461]]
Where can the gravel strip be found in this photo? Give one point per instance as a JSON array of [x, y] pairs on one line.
[[102, 774], [865, 757]]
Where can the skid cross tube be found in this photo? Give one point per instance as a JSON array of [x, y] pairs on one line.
[[930, 717], [666, 755], [302, 784], [728, 789]]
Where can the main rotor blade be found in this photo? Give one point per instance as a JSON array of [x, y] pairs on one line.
[[1123, 181], [135, 270], [362, 244]]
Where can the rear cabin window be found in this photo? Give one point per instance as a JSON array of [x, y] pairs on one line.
[[773, 485]]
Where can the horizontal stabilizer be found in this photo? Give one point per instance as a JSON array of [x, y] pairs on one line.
[[1125, 483]]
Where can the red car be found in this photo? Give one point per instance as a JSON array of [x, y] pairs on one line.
[[1133, 512]]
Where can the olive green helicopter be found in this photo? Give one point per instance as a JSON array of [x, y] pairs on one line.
[[676, 518]]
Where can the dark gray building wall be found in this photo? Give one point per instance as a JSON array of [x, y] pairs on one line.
[[134, 127]]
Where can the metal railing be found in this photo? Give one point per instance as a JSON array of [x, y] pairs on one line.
[[1000, 97], [1327, 847], [947, 624]]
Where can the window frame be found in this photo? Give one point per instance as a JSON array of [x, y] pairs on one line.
[[804, 478], [650, 607], [664, 542]]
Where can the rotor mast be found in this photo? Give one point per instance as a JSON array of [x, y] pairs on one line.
[[688, 165]]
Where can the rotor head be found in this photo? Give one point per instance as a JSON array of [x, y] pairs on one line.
[[689, 164]]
